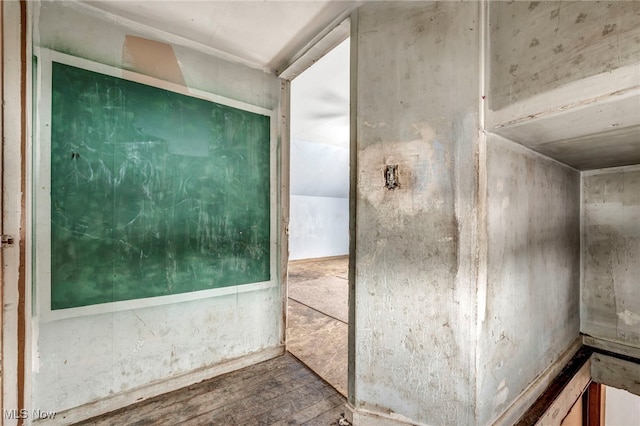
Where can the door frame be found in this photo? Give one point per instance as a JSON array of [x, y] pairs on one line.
[[338, 31], [15, 92]]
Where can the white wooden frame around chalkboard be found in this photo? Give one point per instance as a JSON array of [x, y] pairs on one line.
[[42, 191]]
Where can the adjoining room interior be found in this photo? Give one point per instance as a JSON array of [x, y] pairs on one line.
[[318, 308], [494, 213], [621, 407]]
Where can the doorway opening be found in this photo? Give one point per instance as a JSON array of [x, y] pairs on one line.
[[318, 285]]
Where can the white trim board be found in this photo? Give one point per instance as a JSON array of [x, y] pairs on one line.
[[600, 87], [322, 44], [607, 170], [42, 197], [607, 345], [593, 122], [573, 390], [615, 372]]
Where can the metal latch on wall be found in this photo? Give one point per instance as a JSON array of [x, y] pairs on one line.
[[7, 240]]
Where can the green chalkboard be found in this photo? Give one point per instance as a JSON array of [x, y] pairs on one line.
[[153, 192]]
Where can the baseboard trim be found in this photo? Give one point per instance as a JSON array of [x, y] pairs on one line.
[[529, 396], [317, 259], [123, 399], [363, 417], [616, 372], [567, 397], [610, 346]]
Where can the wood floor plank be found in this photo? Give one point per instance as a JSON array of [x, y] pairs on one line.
[[227, 384], [312, 411], [242, 402], [224, 399], [256, 405], [329, 417], [273, 392], [287, 405]]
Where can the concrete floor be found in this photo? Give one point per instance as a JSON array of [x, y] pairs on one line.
[[318, 313]]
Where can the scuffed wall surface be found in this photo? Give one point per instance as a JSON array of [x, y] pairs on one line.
[[533, 272], [415, 277], [88, 358], [611, 255], [538, 46]]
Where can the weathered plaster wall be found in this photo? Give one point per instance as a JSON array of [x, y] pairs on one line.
[[417, 89], [532, 310], [611, 255], [538, 46], [88, 358]]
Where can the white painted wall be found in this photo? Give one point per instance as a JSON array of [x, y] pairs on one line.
[[319, 169], [622, 408], [85, 359], [319, 210], [318, 227]]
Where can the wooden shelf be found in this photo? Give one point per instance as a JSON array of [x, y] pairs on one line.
[[592, 123]]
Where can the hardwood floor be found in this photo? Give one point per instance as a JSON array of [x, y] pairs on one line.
[[281, 391]]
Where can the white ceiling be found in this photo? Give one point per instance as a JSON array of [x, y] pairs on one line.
[[269, 34], [266, 35], [263, 34]]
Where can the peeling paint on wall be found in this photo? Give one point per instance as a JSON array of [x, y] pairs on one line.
[[152, 58], [419, 162]]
